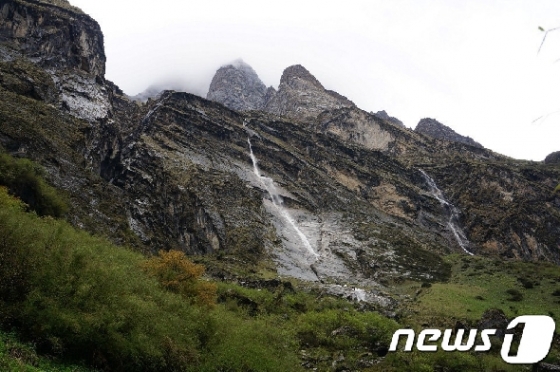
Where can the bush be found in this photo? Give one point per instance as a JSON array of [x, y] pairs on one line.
[[80, 296], [526, 283], [250, 344], [335, 330], [515, 295], [178, 274], [24, 179]]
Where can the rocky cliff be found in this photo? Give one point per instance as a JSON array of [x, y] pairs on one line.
[[384, 116], [238, 87], [553, 158], [305, 182], [301, 96], [435, 129]]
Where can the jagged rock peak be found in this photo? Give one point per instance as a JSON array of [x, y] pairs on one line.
[[435, 129], [238, 87], [383, 115], [291, 75], [302, 97]]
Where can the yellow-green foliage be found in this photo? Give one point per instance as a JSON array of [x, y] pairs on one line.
[[178, 274], [81, 297], [25, 180]]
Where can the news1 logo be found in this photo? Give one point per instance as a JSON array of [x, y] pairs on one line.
[[533, 347]]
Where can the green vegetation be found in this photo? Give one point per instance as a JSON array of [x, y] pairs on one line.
[[179, 275], [83, 300], [73, 302], [480, 283], [16, 356], [24, 179]]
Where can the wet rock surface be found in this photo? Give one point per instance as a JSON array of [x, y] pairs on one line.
[[176, 172]]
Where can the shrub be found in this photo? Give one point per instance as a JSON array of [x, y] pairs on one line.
[[515, 295], [250, 344], [80, 296], [337, 330], [24, 179], [526, 283], [178, 274]]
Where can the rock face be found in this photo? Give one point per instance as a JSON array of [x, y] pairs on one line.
[[53, 36], [64, 42], [302, 97], [435, 129], [553, 158], [178, 172], [238, 87], [384, 116]]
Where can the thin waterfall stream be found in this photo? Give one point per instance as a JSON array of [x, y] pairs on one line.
[[277, 201], [452, 223]]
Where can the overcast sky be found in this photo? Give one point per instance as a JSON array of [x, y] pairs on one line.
[[472, 65]]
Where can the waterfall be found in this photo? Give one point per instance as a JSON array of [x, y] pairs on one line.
[[452, 223], [358, 294], [277, 201]]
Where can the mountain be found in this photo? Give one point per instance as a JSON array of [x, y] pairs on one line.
[[269, 187], [176, 173], [300, 96], [435, 129], [238, 87], [383, 115]]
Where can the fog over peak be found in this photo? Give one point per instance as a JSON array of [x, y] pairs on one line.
[[474, 65]]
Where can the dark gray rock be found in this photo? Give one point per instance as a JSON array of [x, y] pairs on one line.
[[494, 319], [302, 97], [238, 87], [53, 36], [435, 129], [553, 158], [384, 116]]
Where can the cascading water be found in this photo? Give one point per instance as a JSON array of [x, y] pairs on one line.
[[453, 214], [358, 294], [277, 200]]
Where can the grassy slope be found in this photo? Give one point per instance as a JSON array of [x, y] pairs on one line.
[[479, 283]]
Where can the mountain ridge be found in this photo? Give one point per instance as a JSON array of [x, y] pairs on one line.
[[314, 144], [324, 228]]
